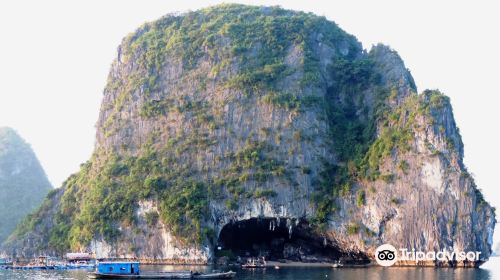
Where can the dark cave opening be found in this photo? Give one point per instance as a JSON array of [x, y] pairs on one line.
[[275, 239]]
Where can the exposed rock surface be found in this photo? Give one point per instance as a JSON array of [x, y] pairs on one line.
[[231, 113], [23, 183]]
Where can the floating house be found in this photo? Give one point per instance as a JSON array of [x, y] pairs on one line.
[[79, 257]]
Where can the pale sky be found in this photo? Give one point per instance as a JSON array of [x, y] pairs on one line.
[[55, 57]]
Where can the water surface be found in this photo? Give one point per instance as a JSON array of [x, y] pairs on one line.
[[490, 270]]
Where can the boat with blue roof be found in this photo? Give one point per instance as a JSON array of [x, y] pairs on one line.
[[131, 270]]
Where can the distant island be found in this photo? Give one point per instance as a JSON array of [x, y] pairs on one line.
[[23, 183]]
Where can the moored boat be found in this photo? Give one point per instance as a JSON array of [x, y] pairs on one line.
[[255, 263], [80, 261], [215, 275], [131, 270]]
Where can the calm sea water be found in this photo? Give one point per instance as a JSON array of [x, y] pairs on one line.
[[490, 270]]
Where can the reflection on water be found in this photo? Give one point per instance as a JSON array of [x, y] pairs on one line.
[[42, 275], [370, 273], [490, 270]]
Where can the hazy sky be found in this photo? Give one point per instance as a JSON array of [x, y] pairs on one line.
[[55, 56]]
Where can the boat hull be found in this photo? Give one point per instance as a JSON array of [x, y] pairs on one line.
[[140, 276], [222, 275], [165, 275], [253, 266]]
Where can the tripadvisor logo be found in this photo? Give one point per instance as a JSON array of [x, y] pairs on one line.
[[387, 255]]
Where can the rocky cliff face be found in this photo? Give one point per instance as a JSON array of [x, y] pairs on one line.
[[23, 183], [238, 130]]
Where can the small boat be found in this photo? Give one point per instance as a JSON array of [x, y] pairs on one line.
[[80, 265], [33, 267], [159, 275], [79, 261], [255, 263], [214, 275], [131, 270], [4, 263]]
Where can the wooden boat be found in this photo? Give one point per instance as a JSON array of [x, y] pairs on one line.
[[253, 266], [159, 275], [255, 263], [80, 265], [214, 275], [31, 267], [337, 265], [131, 270], [165, 275]]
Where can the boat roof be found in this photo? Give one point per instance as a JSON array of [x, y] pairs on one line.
[[78, 256]]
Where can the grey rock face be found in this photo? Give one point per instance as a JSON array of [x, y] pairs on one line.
[[430, 206]]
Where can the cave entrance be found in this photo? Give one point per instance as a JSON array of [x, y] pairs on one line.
[[274, 239]]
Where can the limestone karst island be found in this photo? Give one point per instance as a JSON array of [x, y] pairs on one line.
[[247, 135]]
